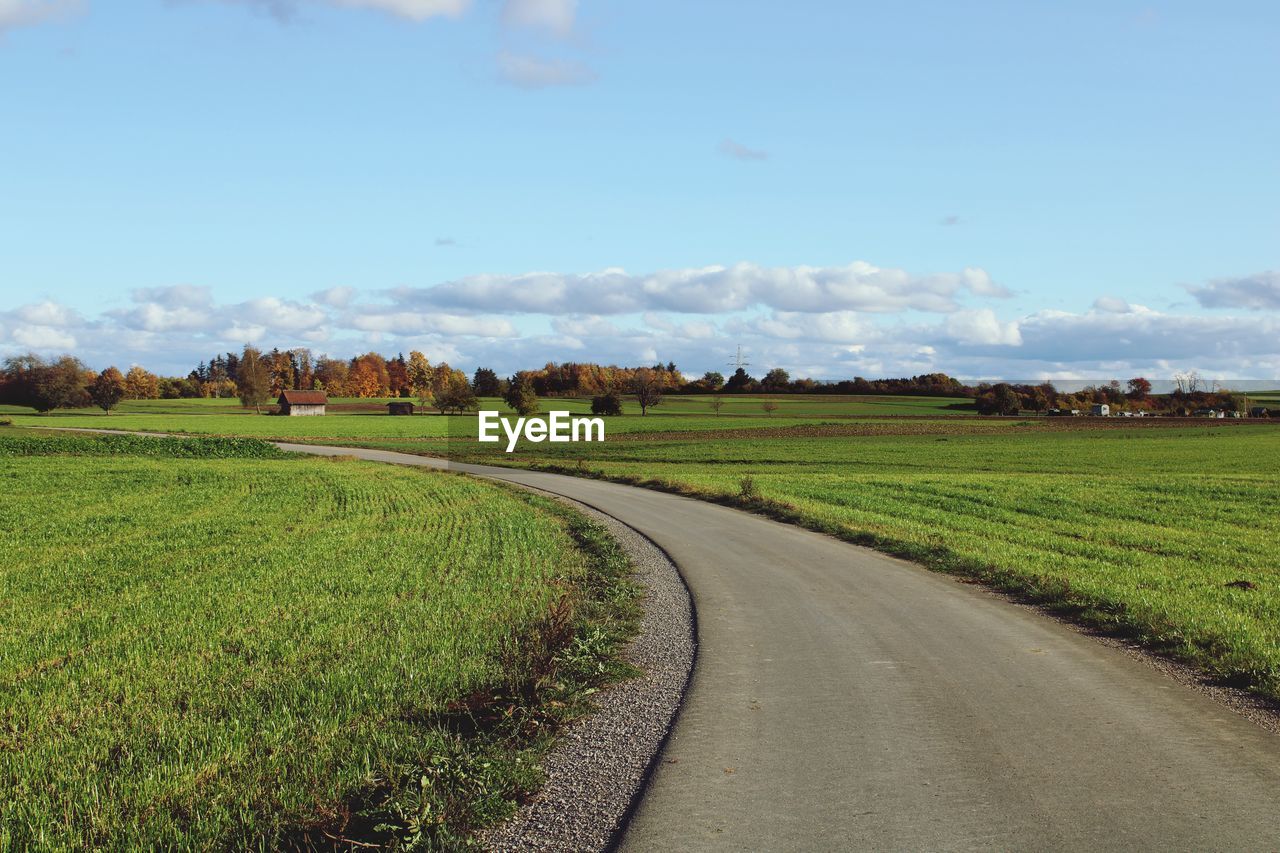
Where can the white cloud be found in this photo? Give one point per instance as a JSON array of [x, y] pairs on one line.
[[979, 282], [414, 10], [554, 16], [47, 313], [1146, 335], [580, 326], [709, 290], [980, 327], [532, 72], [336, 297], [175, 296], [1111, 305], [284, 315], [152, 317], [42, 338], [25, 13], [847, 327], [420, 323], [247, 333], [1258, 292]]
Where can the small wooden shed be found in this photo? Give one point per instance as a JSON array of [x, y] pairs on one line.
[[296, 403], [400, 407]]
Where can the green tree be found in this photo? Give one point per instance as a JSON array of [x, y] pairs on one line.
[[486, 383], [521, 396], [608, 403], [140, 384], [457, 397], [1039, 400], [776, 380], [422, 379], [107, 390], [739, 382], [1006, 399], [712, 381], [253, 384], [60, 385]]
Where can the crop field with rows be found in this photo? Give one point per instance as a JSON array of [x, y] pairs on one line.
[[242, 652]]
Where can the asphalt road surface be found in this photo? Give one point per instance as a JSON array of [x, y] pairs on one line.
[[842, 699]]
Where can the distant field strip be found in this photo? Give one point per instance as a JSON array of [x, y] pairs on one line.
[[205, 653], [357, 419]]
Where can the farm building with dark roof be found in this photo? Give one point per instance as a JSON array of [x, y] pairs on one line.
[[302, 402]]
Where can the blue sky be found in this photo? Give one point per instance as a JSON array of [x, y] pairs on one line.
[[1016, 189]]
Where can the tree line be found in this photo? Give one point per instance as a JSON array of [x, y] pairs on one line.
[[1004, 398], [255, 377]]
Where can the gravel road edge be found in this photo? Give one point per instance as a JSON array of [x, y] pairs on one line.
[[597, 771]]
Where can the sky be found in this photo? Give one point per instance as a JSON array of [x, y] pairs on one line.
[[1024, 189]]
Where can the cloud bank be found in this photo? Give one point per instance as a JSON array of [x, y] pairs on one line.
[[710, 290], [1259, 292], [825, 322]]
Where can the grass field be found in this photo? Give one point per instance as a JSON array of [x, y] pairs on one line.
[[798, 405], [1270, 399], [241, 652], [1137, 525], [1134, 526]]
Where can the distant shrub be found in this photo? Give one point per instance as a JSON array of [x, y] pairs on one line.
[[138, 445], [607, 404], [747, 489]]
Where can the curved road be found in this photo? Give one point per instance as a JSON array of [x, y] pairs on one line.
[[843, 700]]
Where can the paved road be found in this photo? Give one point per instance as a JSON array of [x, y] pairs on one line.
[[847, 700]]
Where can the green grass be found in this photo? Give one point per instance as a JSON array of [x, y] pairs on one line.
[[351, 419], [240, 652], [1135, 526], [789, 405], [1269, 399]]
